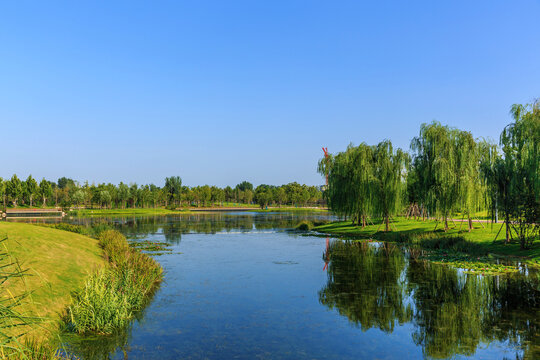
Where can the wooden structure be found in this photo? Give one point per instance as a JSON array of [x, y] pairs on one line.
[[21, 213]]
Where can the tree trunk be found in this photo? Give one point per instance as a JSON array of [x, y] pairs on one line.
[[445, 223], [363, 221], [470, 224], [387, 223], [507, 224]]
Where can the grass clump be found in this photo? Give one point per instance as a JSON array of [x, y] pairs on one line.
[[304, 225], [111, 296]]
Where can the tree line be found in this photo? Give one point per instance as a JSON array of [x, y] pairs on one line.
[[447, 171], [67, 192]]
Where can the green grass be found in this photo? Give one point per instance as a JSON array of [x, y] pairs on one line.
[[57, 263], [111, 297], [136, 211], [478, 242], [293, 209]]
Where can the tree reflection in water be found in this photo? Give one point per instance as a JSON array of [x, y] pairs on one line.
[[174, 226], [377, 286]]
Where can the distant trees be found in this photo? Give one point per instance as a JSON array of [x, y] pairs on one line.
[[30, 189], [68, 192], [173, 188], [14, 189], [3, 192], [45, 191], [264, 195]]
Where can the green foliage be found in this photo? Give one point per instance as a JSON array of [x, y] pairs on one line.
[[14, 189], [111, 296], [45, 191], [173, 188], [366, 180], [244, 185]]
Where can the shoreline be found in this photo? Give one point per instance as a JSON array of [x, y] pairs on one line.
[[453, 247]]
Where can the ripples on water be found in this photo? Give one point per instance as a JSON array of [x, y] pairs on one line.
[[243, 287]]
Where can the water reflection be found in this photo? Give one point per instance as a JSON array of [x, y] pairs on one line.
[[377, 286], [174, 226]]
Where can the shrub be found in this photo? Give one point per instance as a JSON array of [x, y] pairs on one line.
[[111, 296], [304, 225]]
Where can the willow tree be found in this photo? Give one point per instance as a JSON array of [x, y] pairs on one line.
[[388, 180], [362, 161], [435, 152], [337, 191], [470, 183], [350, 182], [520, 143], [497, 173]]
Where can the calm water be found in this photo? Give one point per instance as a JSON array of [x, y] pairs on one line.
[[239, 286]]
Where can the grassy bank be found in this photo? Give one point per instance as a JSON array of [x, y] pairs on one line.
[[111, 296], [57, 263], [163, 211], [54, 278], [136, 211], [294, 209], [457, 242]]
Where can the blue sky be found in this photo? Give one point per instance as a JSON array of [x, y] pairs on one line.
[[224, 91]]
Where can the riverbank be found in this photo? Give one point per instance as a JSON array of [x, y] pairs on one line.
[[429, 236], [56, 263], [163, 211], [60, 280], [124, 212]]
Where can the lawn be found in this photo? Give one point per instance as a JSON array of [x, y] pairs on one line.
[[130, 211], [57, 263], [483, 236]]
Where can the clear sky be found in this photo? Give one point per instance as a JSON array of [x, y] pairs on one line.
[[224, 91]]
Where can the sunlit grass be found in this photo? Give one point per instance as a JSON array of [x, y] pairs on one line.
[[480, 239], [111, 296]]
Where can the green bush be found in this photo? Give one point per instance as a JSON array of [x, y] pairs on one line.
[[304, 225], [111, 296]]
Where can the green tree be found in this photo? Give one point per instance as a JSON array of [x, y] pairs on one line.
[[173, 187], [45, 191], [245, 185], [471, 185], [105, 198], [435, 159], [31, 189], [281, 196], [123, 194], [248, 196], [389, 179], [3, 192], [14, 189], [520, 143], [78, 197], [263, 195]]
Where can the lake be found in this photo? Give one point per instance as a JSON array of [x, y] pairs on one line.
[[240, 285]]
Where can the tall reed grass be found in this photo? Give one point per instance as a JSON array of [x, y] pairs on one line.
[[13, 323], [111, 296]]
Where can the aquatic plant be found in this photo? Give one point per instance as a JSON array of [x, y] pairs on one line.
[[111, 296]]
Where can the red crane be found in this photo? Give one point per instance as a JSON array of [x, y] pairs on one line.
[[326, 156], [326, 253]]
